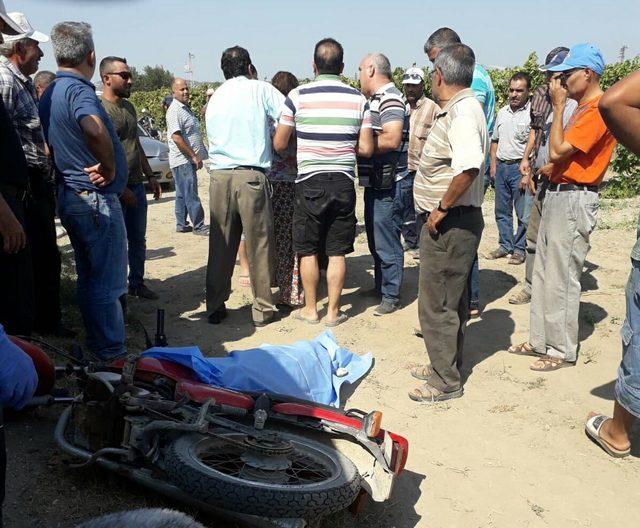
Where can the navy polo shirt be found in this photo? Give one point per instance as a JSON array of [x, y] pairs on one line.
[[68, 100]]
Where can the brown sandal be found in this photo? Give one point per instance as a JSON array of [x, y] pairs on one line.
[[549, 364], [422, 372], [523, 349], [430, 394]]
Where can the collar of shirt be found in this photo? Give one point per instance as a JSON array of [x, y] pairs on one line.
[[421, 101], [14, 69], [71, 75], [525, 107], [327, 77], [465, 93], [384, 88]]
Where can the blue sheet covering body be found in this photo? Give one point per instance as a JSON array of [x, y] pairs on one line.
[[311, 370]]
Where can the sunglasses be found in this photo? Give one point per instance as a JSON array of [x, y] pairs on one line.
[[565, 75], [412, 77], [125, 76]]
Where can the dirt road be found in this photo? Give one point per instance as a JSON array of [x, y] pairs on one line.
[[511, 452]]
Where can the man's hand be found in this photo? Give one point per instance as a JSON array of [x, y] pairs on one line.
[[13, 236], [492, 171], [155, 187], [532, 186], [434, 221], [546, 170], [558, 93], [524, 183], [525, 168], [99, 175], [128, 198], [196, 161]]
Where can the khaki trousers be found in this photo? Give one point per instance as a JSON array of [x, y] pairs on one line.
[[240, 202]]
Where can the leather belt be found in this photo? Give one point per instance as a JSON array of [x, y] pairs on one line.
[[571, 187], [510, 162], [459, 210]]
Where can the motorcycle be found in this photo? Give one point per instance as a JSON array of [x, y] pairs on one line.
[[253, 455]]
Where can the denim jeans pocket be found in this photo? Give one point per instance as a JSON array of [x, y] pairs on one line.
[[84, 203]]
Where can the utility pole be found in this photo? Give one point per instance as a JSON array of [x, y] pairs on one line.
[[188, 67], [623, 51]]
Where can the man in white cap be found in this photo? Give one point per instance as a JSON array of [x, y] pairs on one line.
[[19, 58], [423, 112]]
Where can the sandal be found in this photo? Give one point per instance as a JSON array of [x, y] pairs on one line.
[[298, 316], [244, 281], [429, 394], [422, 372], [523, 349], [592, 429], [549, 364], [342, 317]]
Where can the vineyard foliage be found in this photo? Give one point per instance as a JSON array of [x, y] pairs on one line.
[[625, 165]]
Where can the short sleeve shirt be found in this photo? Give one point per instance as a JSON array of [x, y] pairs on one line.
[[124, 119], [421, 119], [181, 119], [66, 102], [511, 131], [485, 93], [588, 133]]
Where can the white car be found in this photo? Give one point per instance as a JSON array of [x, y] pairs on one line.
[[157, 154]]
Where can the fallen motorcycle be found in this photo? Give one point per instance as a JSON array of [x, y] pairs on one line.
[[262, 455]]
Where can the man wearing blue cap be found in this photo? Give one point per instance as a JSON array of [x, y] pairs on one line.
[[579, 156]]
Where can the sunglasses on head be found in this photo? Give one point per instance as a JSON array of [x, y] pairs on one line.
[[125, 76], [411, 76]]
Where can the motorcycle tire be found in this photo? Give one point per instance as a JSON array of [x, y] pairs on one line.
[[337, 481]]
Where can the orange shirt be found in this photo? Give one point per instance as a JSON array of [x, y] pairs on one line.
[[587, 132]]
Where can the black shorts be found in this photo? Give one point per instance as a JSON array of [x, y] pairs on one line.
[[324, 215]]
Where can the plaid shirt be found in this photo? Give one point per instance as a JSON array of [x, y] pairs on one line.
[[19, 97], [540, 111], [421, 119]]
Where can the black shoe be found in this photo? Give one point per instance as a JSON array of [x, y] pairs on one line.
[[218, 315], [142, 292], [203, 231], [385, 308], [186, 229]]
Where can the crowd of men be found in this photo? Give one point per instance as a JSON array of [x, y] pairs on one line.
[[424, 164]]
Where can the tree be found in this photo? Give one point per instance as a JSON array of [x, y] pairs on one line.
[[151, 78]]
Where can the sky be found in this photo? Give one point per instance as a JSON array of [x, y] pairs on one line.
[[281, 34]]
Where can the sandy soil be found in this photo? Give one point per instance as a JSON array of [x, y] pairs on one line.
[[511, 452]]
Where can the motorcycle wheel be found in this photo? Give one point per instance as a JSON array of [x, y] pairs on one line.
[[317, 480]]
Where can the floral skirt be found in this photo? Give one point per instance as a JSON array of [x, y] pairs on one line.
[[287, 262]]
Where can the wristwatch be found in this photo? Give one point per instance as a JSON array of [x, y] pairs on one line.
[[442, 209]]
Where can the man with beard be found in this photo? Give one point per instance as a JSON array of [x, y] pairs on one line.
[[116, 77]]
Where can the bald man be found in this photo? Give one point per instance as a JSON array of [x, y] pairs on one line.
[[186, 154]]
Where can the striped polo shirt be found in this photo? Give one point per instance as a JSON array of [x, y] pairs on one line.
[[328, 115], [458, 141], [387, 105]]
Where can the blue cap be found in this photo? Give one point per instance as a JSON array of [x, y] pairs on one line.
[[582, 56]]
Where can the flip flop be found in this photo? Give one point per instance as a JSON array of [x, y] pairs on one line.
[[429, 394], [244, 281], [298, 316], [342, 317], [422, 372], [523, 349], [549, 364], [592, 429]]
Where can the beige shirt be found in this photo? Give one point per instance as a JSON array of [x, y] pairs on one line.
[[457, 141], [421, 119]]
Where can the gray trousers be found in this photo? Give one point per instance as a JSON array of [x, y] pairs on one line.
[[532, 234], [443, 298], [240, 202], [568, 218]]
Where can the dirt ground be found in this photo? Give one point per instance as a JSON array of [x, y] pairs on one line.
[[511, 452]]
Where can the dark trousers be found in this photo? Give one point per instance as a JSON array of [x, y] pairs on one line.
[[409, 224], [135, 221], [3, 464], [30, 279], [443, 298]]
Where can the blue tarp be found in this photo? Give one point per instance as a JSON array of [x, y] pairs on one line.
[[312, 370]]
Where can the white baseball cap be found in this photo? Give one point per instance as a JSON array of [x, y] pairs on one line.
[[26, 29], [413, 75], [7, 25]]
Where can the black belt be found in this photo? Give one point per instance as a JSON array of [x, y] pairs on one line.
[[248, 167], [14, 191], [510, 162], [572, 187], [459, 210]]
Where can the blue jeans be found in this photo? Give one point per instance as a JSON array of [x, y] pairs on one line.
[[410, 232], [508, 198], [383, 223], [627, 388], [187, 199], [135, 221], [95, 225]]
